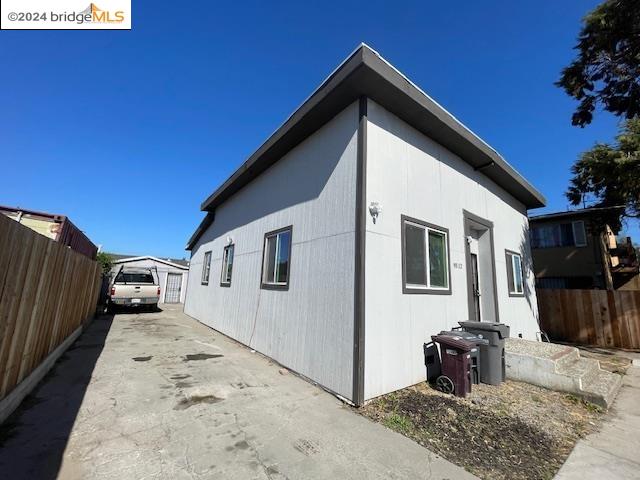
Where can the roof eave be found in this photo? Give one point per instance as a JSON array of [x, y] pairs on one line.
[[204, 224], [590, 211], [150, 257], [419, 110], [294, 126], [366, 73]]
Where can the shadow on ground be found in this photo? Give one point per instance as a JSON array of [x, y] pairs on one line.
[[141, 309], [33, 439]]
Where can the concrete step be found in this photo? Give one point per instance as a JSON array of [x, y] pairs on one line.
[[595, 385], [567, 356], [602, 389], [559, 367], [591, 375], [579, 368]]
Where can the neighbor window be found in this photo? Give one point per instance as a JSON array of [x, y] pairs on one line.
[[514, 273], [275, 262], [425, 257], [227, 265], [579, 235], [206, 267], [568, 234]]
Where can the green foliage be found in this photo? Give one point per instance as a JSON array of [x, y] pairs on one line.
[[398, 422], [610, 174], [591, 407], [106, 262], [607, 68]]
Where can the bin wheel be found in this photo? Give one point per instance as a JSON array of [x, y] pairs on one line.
[[444, 384]]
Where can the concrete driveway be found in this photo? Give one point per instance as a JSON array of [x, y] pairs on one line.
[[160, 396]]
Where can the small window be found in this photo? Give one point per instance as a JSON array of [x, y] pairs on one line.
[[514, 274], [425, 257], [227, 265], [579, 234], [275, 263], [206, 267]]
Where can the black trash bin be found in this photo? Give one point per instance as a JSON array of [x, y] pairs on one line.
[[432, 361], [476, 363], [493, 369]]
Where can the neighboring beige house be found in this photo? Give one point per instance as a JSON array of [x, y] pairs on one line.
[[56, 227], [577, 250]]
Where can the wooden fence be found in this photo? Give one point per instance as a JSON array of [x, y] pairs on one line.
[[47, 291], [591, 317]]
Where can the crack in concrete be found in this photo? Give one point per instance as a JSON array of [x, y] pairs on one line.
[[268, 470]]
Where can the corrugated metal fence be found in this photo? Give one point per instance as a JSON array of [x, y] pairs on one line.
[[46, 292], [591, 317]]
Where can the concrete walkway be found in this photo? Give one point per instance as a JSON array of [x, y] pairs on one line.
[[613, 452], [160, 396]]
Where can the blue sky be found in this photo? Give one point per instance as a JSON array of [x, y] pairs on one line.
[[126, 132]]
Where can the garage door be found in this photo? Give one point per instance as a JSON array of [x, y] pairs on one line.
[[174, 284]]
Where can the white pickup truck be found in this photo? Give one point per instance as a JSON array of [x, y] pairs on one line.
[[134, 287]]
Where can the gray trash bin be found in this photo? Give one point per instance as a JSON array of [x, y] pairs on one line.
[[493, 369], [476, 362]]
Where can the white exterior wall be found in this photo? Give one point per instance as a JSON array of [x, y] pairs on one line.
[[163, 269], [407, 173], [309, 327]]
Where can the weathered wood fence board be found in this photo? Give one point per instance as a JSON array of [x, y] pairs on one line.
[[591, 317], [47, 291]]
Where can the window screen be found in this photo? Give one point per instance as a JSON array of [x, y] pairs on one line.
[[227, 265], [415, 257], [515, 276], [206, 267]]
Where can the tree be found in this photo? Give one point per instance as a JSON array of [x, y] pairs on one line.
[[609, 175], [106, 262], [607, 68]]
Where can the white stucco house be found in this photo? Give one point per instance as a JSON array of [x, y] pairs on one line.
[[173, 274], [369, 221]]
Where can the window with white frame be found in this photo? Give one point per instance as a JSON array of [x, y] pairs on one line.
[[206, 268], [515, 276], [425, 257], [276, 256], [567, 234], [227, 265]]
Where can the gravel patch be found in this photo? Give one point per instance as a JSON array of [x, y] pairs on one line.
[[534, 349], [512, 431]]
